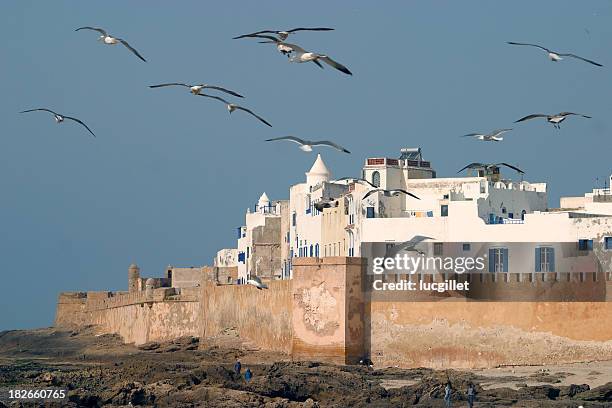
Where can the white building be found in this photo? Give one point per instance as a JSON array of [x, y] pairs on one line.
[[486, 207]]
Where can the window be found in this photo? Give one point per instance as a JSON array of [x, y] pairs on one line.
[[317, 250], [293, 219], [498, 259], [608, 243], [544, 259], [248, 252], [585, 244], [511, 215], [503, 210], [523, 215], [491, 218], [467, 247], [438, 248], [311, 251], [376, 178], [444, 210], [370, 212], [241, 256], [483, 187]]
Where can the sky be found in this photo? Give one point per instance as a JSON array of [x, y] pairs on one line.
[[170, 175]]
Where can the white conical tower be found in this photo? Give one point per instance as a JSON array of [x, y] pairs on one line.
[[263, 203], [318, 172]]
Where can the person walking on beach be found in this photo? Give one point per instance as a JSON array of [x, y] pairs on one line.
[[447, 395], [471, 395], [248, 375]]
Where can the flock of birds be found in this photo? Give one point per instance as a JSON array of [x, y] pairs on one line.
[[297, 54], [554, 119]]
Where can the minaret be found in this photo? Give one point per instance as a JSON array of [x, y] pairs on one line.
[[318, 172], [133, 278]]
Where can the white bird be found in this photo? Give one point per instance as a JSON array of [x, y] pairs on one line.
[[231, 107], [554, 119], [389, 193], [307, 145], [60, 118], [409, 246], [299, 55], [110, 40], [282, 35], [488, 166], [196, 89], [256, 281], [494, 136], [556, 56]]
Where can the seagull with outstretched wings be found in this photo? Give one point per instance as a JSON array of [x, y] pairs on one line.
[[59, 118], [110, 40]]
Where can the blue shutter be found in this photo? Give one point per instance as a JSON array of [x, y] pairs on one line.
[[538, 260], [551, 260], [370, 212], [505, 258], [491, 218], [491, 260]]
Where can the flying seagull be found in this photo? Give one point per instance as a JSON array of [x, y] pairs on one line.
[[408, 246], [232, 107], [356, 180], [307, 145], [488, 166], [389, 193], [60, 118], [494, 136], [556, 56], [554, 119], [256, 281], [298, 54], [195, 89], [110, 40], [282, 35]]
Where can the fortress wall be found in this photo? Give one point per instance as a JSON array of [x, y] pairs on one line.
[[487, 334], [70, 310], [261, 316], [139, 317]]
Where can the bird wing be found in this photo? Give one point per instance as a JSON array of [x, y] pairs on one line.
[[376, 190], [254, 114], [215, 97], [290, 138], [583, 59], [332, 144], [471, 166], [318, 63], [572, 113], [399, 190], [296, 48], [79, 121], [100, 30], [310, 29], [530, 45], [358, 180], [498, 132], [218, 88], [335, 64], [472, 135], [40, 109], [129, 47], [268, 37], [511, 166], [257, 34], [528, 117], [170, 84]]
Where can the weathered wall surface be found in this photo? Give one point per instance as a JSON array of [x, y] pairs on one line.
[[261, 316], [139, 317], [487, 334], [328, 309]]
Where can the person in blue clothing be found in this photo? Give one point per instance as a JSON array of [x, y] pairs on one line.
[[248, 375], [237, 367], [447, 395], [471, 395]]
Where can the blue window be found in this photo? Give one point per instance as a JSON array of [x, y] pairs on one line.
[[241, 256], [491, 218], [498, 259], [444, 210], [467, 247], [311, 251], [293, 219], [545, 259], [248, 252], [585, 244], [608, 243], [239, 232], [510, 215], [317, 250], [370, 212]]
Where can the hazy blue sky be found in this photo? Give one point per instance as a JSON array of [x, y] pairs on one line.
[[170, 175]]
